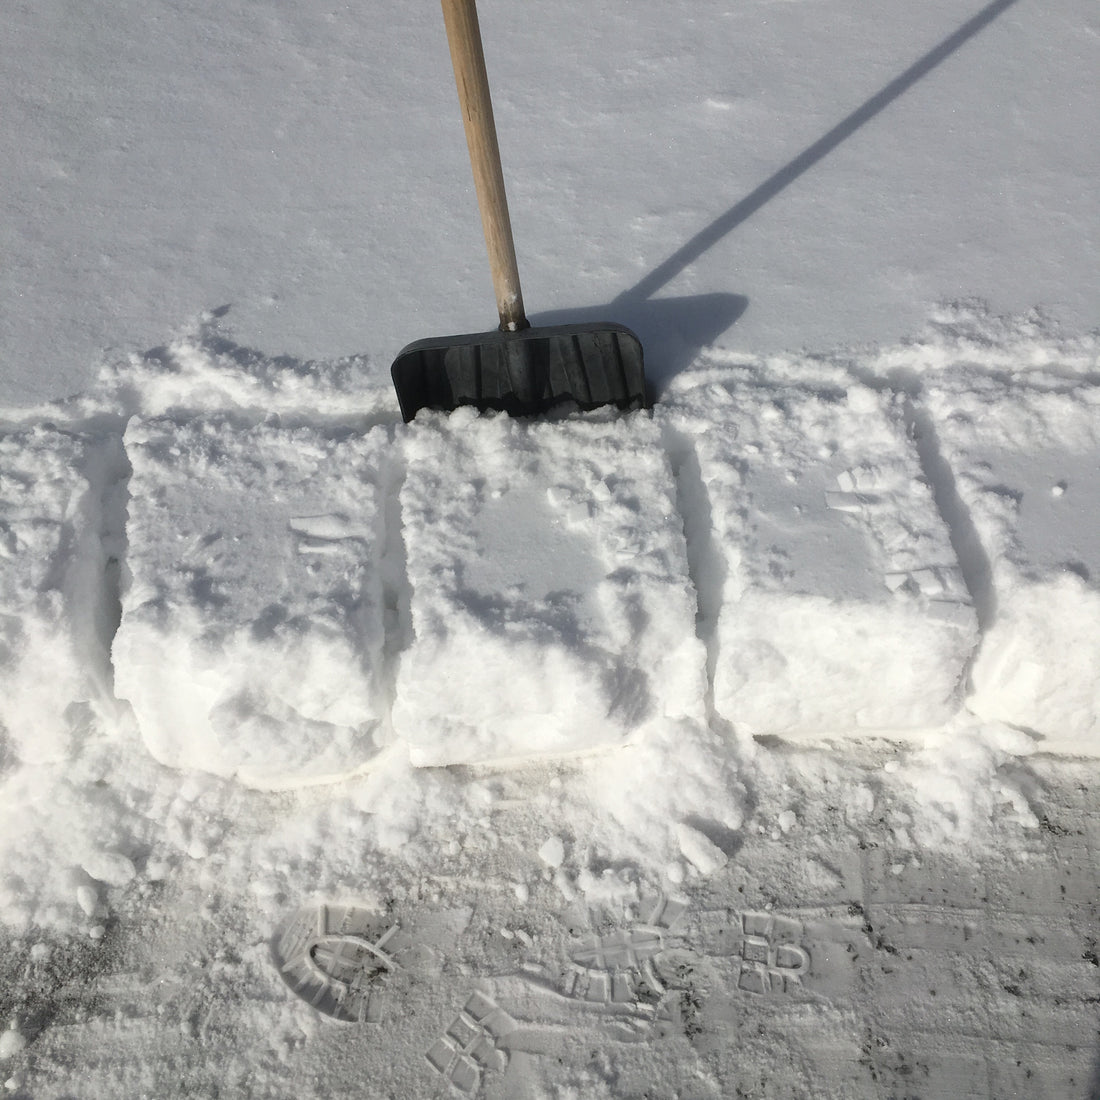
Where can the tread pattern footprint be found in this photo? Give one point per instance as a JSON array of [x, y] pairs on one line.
[[341, 959], [469, 1046], [620, 967]]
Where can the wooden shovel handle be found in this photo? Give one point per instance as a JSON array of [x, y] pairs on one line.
[[464, 37]]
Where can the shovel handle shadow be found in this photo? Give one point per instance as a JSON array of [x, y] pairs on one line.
[[674, 330]]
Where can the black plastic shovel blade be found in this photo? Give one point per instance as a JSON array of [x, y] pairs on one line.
[[523, 373]]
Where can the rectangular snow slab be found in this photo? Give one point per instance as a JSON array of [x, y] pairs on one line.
[[829, 590], [54, 600], [252, 627], [552, 609], [1024, 455]]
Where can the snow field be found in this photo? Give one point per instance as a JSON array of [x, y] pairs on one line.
[[766, 178], [552, 608], [828, 582]]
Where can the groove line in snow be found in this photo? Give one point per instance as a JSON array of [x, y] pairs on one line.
[[397, 592], [973, 561], [706, 566]]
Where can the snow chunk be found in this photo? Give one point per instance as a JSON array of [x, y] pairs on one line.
[[829, 587], [1024, 451], [252, 628], [12, 1042], [552, 852], [54, 600], [88, 899], [551, 603], [684, 769], [112, 868], [700, 851]]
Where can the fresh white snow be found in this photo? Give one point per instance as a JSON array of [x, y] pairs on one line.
[[838, 169]]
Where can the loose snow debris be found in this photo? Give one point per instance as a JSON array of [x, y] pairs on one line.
[[680, 770], [608, 888], [204, 371], [53, 591], [252, 628], [834, 602], [955, 780], [550, 588], [1024, 452]]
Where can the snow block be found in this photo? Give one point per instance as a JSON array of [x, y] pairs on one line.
[[54, 603], [552, 609], [828, 586], [252, 623], [1024, 453]]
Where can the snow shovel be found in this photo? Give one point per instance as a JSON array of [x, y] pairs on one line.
[[518, 369]]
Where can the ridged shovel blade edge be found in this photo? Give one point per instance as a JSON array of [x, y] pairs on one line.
[[523, 373]]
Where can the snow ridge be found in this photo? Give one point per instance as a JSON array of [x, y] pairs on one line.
[[801, 507]]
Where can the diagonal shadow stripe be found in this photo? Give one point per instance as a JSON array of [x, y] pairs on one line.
[[740, 211]]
